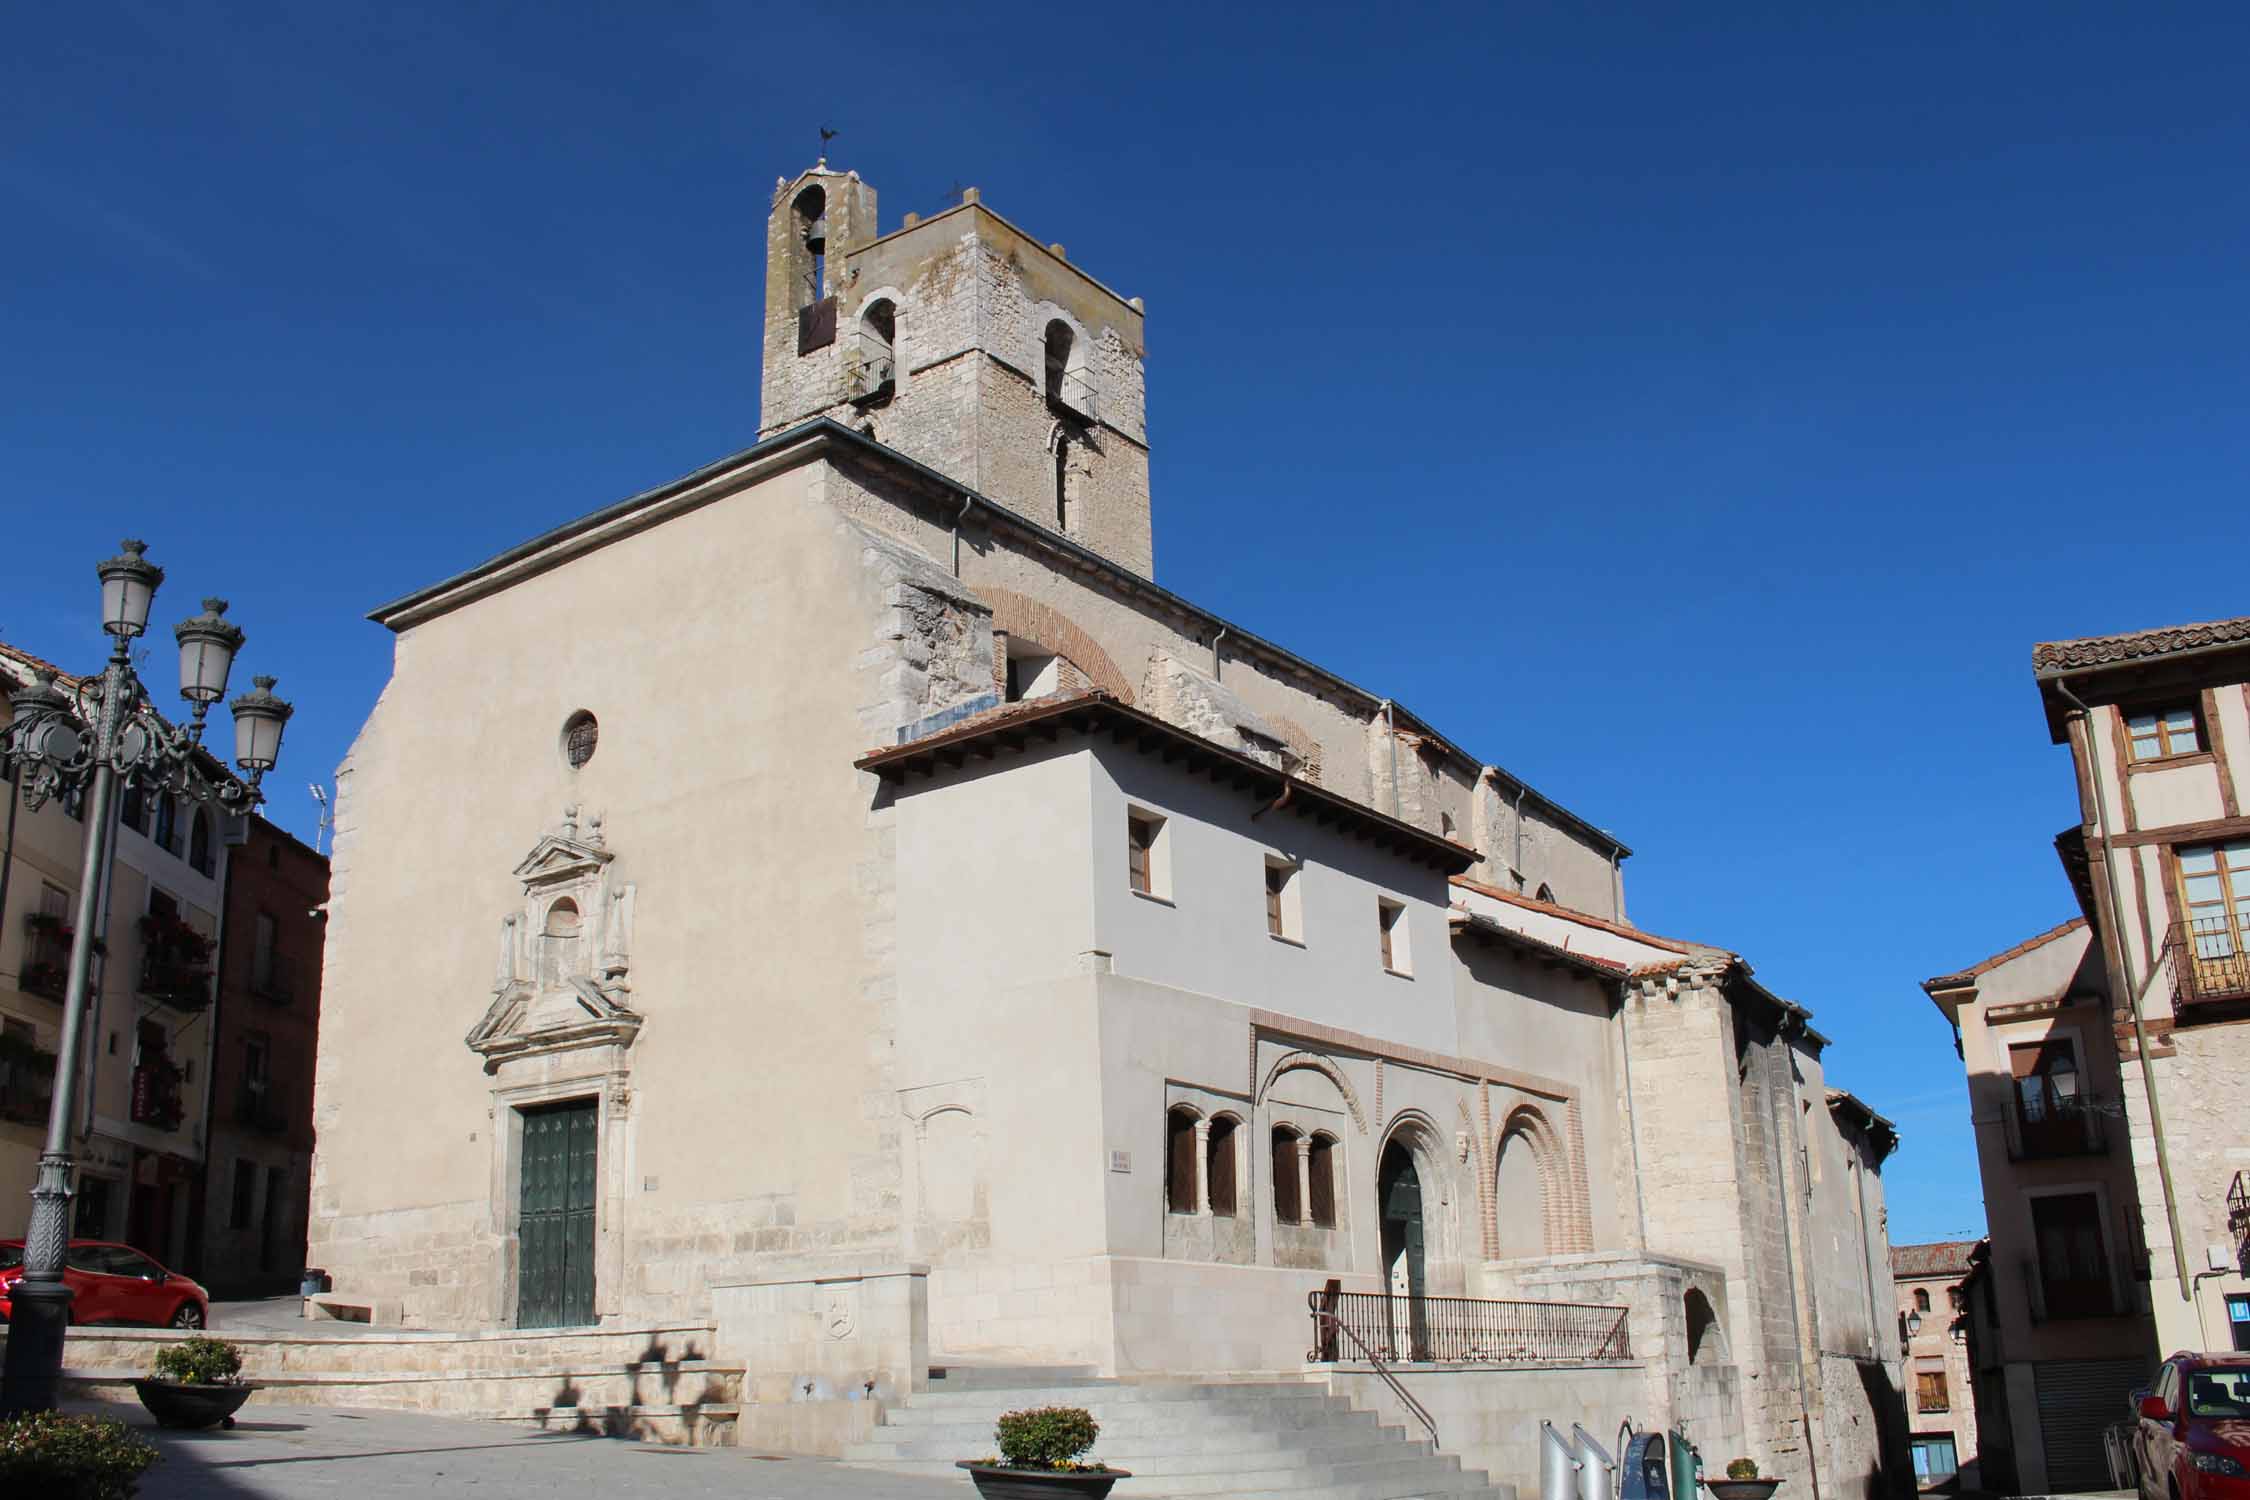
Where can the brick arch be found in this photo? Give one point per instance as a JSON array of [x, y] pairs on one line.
[[1326, 1069], [1037, 620], [1567, 1220]]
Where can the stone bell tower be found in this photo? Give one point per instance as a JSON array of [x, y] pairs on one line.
[[967, 345]]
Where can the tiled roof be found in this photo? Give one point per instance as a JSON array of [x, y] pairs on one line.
[[1956, 981], [1938, 1258], [1485, 927], [1567, 914], [30, 664], [1013, 726], [2105, 650]]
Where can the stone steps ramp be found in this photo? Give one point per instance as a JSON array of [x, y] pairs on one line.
[[1230, 1440]]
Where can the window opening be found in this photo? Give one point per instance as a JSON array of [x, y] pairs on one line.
[[1219, 1166], [1929, 1391], [1141, 833], [1059, 341], [581, 734], [1321, 1176], [1390, 919], [1546, 893], [878, 343], [2073, 1263], [199, 844], [1287, 1208], [2166, 731], [1062, 483], [1179, 1160], [1921, 1299], [245, 1189], [811, 209], [134, 813], [168, 825], [1281, 899]]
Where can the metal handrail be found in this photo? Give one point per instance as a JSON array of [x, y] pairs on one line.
[[1323, 1317]]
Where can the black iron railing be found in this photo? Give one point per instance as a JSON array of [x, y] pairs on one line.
[[1469, 1330], [2208, 961], [2074, 1126], [1330, 1333]]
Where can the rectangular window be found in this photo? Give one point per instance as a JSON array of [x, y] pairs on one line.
[[1390, 919], [2215, 896], [2166, 731], [1929, 1391], [2073, 1260], [1935, 1461], [90, 1211], [245, 1191], [1144, 854], [2238, 1320], [261, 954], [1282, 912]]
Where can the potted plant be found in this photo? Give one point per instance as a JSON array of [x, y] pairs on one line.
[[1041, 1457], [1742, 1482], [71, 1457], [198, 1383]]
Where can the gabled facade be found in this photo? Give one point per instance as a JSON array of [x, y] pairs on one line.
[[942, 904], [2158, 724], [1933, 1329]]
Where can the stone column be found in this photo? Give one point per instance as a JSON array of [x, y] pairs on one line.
[[1303, 1151], [1202, 1170]]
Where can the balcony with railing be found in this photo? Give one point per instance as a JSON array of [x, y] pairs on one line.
[[157, 1098], [46, 955], [2043, 1128], [175, 963], [1466, 1330], [27, 1080], [2208, 961]]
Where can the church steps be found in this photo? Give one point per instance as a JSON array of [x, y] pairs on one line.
[[1213, 1441]]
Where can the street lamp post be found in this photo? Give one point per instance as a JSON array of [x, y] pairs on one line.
[[87, 742]]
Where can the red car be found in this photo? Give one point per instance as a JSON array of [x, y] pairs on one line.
[[2193, 1438], [112, 1283]]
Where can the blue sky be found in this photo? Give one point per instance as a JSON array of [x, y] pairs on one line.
[[1699, 410]]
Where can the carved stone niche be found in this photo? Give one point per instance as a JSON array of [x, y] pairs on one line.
[[565, 955]]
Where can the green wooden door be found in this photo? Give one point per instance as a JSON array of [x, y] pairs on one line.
[[555, 1282], [1400, 1189]]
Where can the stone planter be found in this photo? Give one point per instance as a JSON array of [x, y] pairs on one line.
[[1740, 1489], [175, 1405], [995, 1482]]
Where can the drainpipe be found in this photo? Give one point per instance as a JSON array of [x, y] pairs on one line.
[[960, 516], [1632, 1107], [1390, 724], [1789, 1255], [1516, 865], [1616, 888], [1222, 635], [2085, 718]]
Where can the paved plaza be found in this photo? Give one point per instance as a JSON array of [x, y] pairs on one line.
[[275, 1452]]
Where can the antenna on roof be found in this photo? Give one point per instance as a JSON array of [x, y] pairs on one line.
[[320, 829]]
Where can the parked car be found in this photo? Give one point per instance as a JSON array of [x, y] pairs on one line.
[[2192, 1441], [113, 1283]]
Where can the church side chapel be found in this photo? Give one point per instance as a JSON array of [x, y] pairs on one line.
[[888, 931]]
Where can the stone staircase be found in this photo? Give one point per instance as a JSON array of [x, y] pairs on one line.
[[655, 1384], [1236, 1440]]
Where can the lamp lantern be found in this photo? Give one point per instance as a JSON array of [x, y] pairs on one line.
[[207, 647], [129, 584], [258, 719]]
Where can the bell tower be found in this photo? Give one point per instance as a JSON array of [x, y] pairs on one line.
[[815, 223], [967, 345]]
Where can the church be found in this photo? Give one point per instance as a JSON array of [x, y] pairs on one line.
[[885, 925]]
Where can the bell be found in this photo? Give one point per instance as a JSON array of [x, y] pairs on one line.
[[816, 235]]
